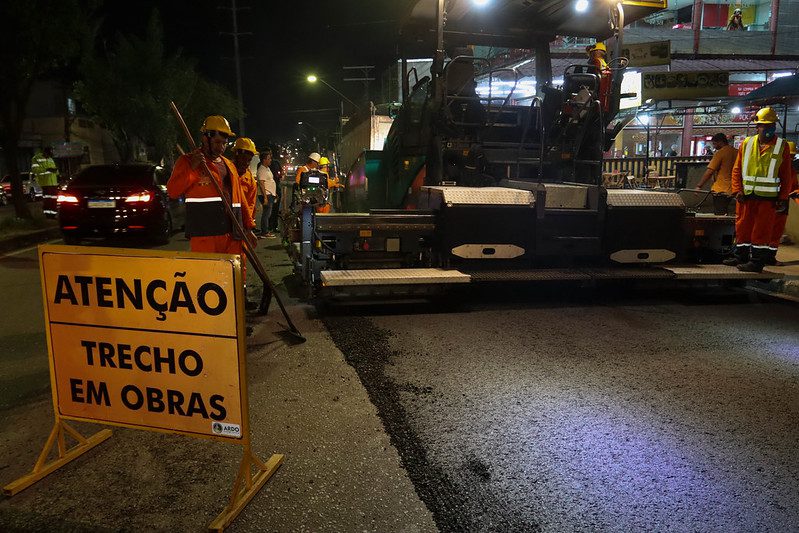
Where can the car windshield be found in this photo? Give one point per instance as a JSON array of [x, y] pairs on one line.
[[115, 175]]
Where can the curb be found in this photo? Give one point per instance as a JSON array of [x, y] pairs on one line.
[[29, 239]]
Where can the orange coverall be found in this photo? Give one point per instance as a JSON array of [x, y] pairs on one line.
[[755, 218], [207, 224]]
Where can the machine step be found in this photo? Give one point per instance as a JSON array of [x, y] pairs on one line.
[[719, 272], [392, 276]]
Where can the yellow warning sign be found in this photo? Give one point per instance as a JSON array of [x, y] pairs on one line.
[[146, 339]]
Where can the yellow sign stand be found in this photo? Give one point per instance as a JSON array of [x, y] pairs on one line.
[[147, 340]]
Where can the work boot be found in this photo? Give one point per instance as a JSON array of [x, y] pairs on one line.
[[758, 257], [739, 256], [770, 258], [751, 266]]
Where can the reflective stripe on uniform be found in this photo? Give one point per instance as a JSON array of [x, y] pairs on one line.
[[202, 200]]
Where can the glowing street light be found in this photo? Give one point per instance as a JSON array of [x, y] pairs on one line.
[[581, 6], [736, 110], [480, 3], [313, 78]]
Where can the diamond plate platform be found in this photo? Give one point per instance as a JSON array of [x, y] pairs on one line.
[[719, 272], [435, 197], [395, 276], [637, 198]]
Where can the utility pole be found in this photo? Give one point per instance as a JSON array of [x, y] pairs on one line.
[[365, 78], [234, 11]]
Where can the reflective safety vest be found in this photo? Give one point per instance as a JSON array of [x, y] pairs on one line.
[[760, 172], [44, 170]]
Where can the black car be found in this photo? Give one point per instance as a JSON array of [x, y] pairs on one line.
[[106, 200]]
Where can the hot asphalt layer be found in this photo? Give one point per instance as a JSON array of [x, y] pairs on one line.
[[586, 414]]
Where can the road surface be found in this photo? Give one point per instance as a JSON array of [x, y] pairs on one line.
[[607, 411]]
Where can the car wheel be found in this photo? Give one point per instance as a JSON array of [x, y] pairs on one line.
[[164, 230], [3, 199], [31, 195]]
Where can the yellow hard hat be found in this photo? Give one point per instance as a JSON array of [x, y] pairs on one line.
[[217, 123], [597, 46], [245, 143], [324, 161], [791, 147], [766, 116]]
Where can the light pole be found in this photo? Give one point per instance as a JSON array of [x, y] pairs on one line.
[[312, 78]]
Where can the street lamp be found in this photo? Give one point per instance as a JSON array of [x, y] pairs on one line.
[[312, 78]]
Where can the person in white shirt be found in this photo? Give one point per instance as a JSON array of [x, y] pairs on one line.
[[267, 192]]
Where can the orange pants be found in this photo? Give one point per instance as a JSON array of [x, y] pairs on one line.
[[779, 226], [221, 244], [216, 244], [754, 223]]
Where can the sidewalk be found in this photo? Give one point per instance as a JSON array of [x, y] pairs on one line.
[[16, 234]]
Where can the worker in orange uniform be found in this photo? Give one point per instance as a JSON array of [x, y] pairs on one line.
[[761, 179], [207, 223], [243, 152], [310, 164], [782, 209], [597, 54], [720, 171]]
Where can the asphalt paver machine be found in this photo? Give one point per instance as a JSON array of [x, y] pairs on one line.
[[474, 188]]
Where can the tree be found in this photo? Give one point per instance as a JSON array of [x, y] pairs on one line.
[[129, 87], [43, 36]]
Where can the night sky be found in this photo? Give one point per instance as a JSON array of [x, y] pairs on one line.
[[289, 40]]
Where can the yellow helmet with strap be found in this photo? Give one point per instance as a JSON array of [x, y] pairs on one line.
[[245, 143], [217, 123], [324, 161], [766, 116], [597, 46]]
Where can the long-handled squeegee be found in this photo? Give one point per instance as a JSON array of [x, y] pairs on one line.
[[248, 251]]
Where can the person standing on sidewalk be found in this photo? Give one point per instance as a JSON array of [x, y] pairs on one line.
[[207, 224], [45, 171], [267, 192], [761, 181], [243, 153], [720, 170]]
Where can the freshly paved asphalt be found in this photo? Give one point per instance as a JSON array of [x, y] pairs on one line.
[[603, 411]]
